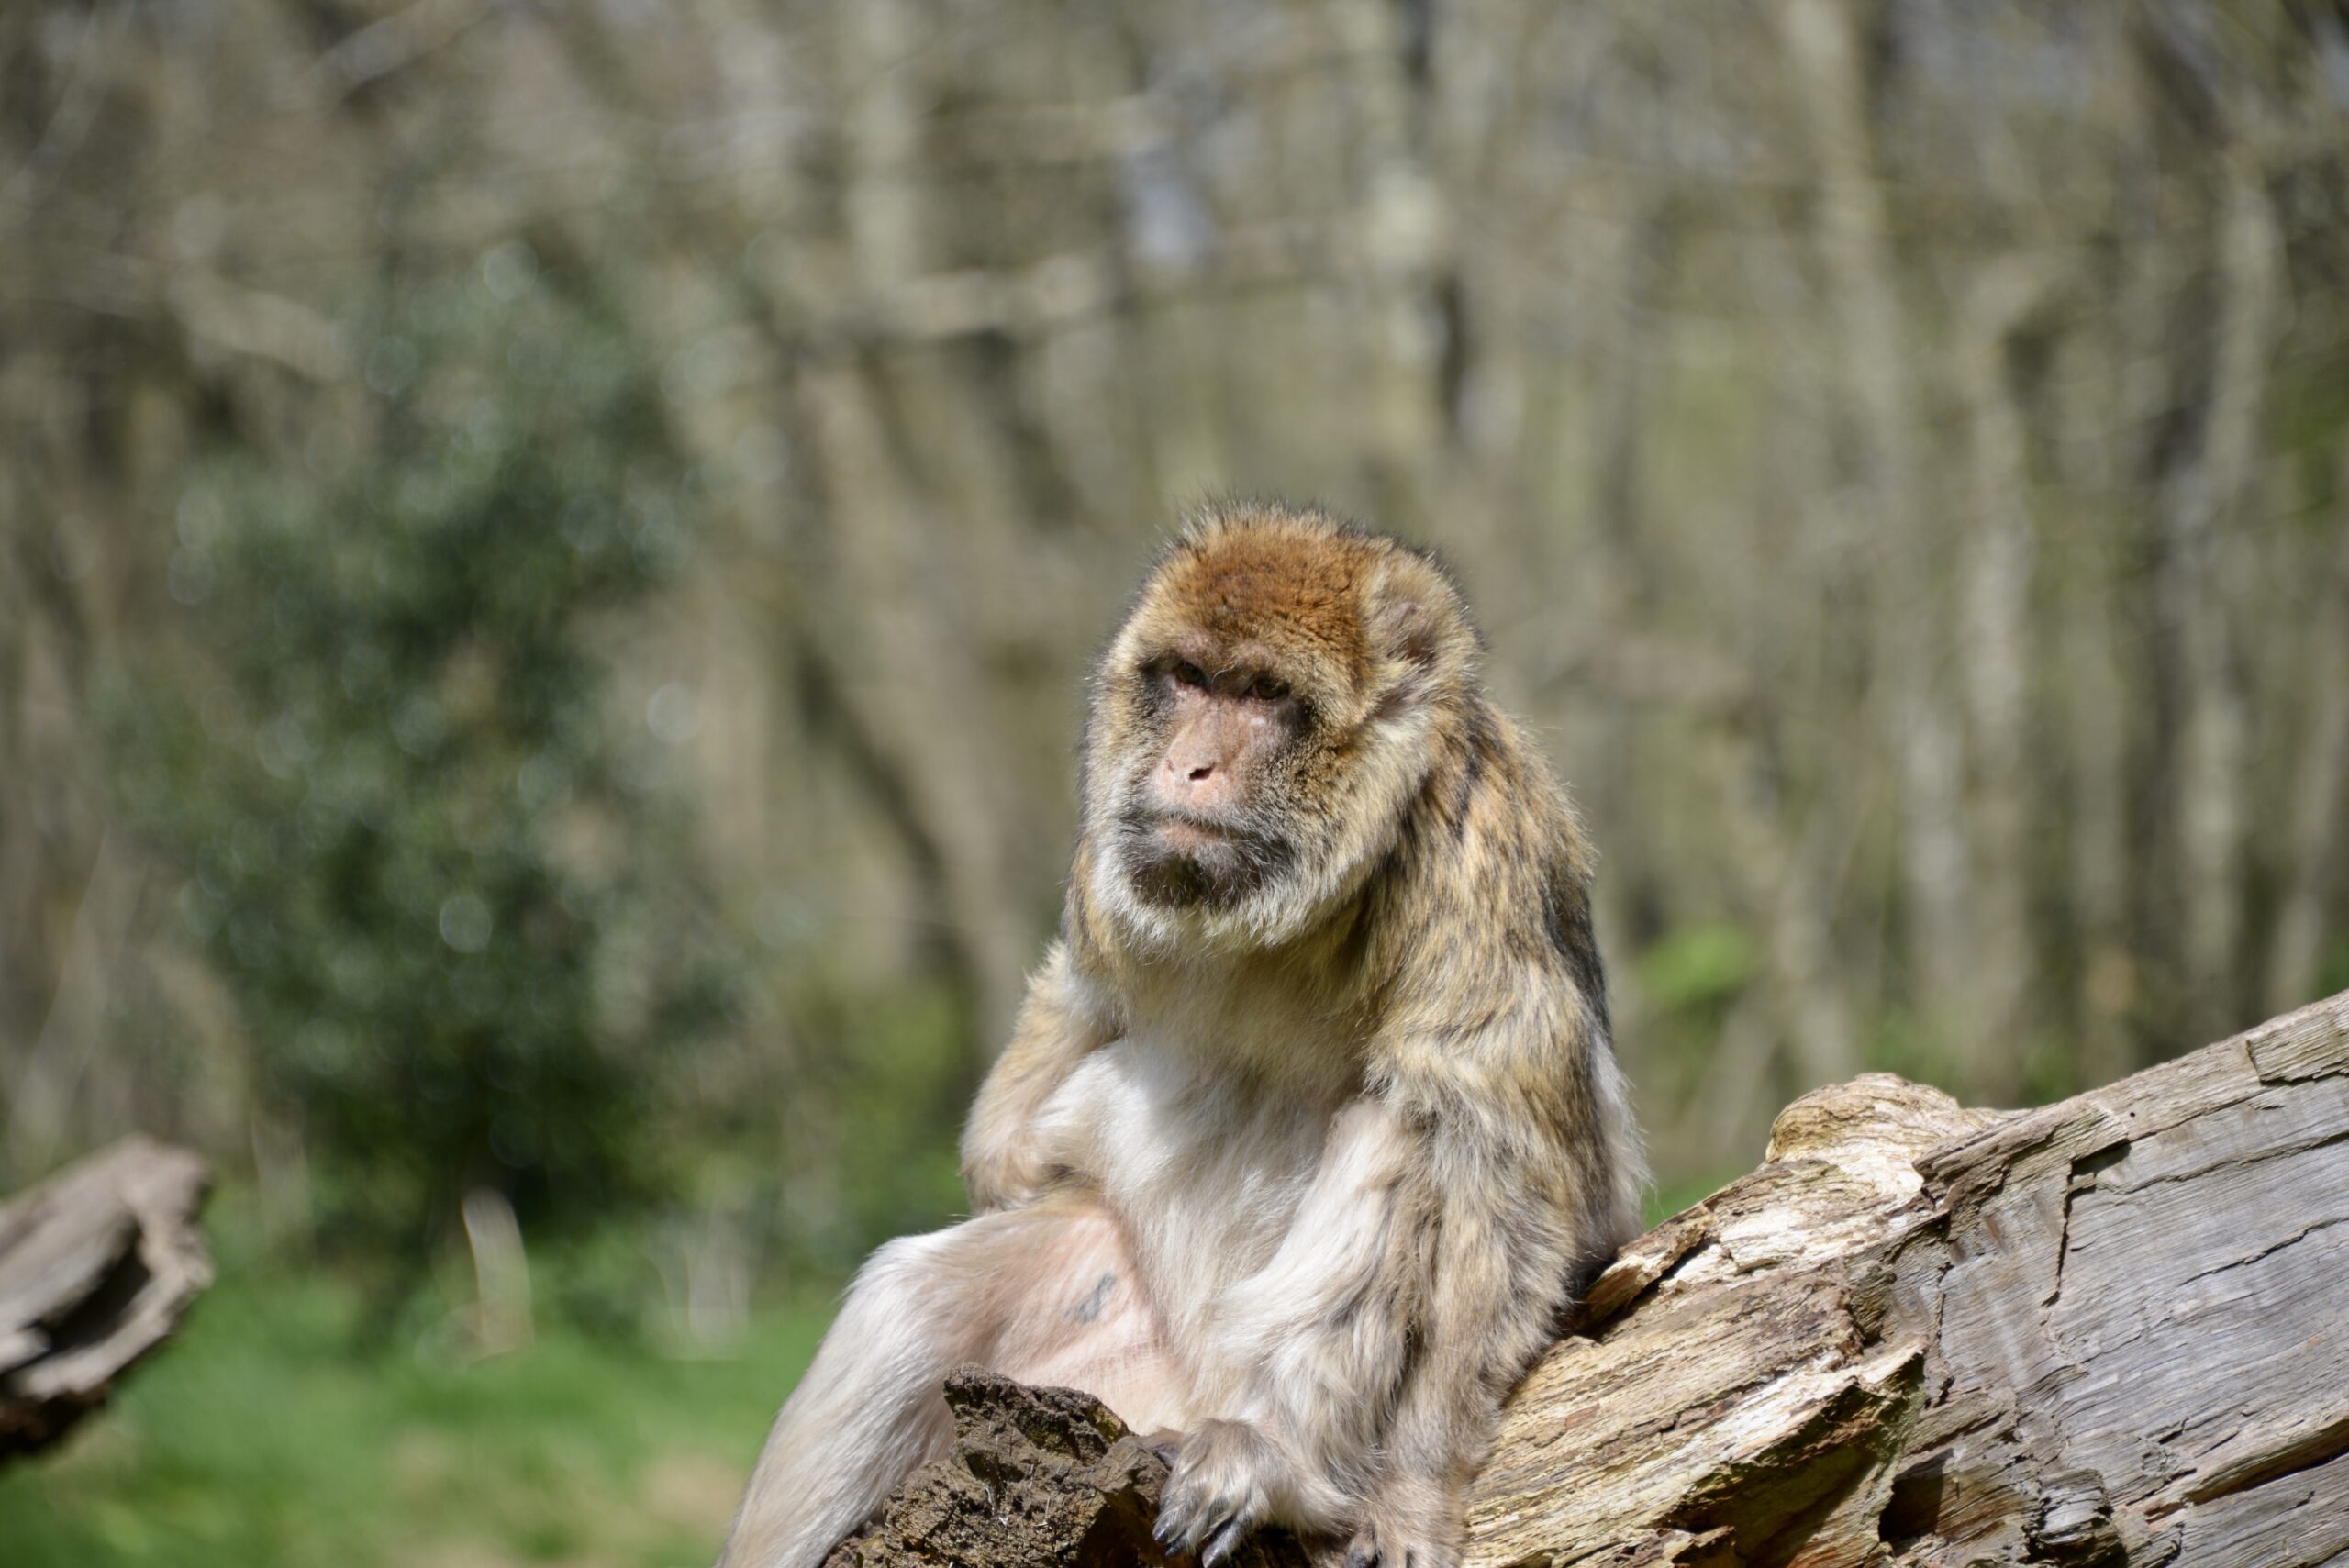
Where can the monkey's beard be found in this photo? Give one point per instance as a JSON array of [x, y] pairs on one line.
[[1211, 866]]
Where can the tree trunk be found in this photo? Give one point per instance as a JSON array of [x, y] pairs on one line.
[[97, 1265], [2108, 1331]]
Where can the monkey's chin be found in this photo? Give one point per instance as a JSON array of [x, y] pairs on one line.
[[1201, 874], [1180, 864]]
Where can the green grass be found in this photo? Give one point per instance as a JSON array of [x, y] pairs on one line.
[[262, 1437]]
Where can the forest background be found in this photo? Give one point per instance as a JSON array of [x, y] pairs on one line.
[[548, 556]]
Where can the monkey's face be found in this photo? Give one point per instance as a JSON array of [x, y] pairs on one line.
[[1259, 725], [1206, 822]]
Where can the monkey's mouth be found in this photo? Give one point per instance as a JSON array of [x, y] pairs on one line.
[[1183, 862], [1187, 837]]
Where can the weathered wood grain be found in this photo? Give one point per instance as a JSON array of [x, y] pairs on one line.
[[97, 1265], [2114, 1330]]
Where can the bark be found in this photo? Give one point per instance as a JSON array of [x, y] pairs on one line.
[[1999, 556], [2296, 956], [2196, 590], [2108, 1331], [1038, 1476], [97, 1265]]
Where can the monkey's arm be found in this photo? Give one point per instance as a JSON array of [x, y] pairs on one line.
[[1498, 1260], [1533, 1170], [1057, 1029], [1367, 1361]]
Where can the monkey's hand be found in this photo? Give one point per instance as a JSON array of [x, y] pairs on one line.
[[1406, 1524], [1227, 1477]]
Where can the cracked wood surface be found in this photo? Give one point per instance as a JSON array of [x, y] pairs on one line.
[[97, 1265], [2109, 1333]]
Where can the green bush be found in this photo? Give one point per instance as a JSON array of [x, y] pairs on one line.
[[447, 890]]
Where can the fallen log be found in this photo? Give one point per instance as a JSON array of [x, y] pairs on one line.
[[97, 1265], [2110, 1333]]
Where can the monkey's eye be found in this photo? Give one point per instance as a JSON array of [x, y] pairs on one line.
[[1268, 688], [1188, 673]]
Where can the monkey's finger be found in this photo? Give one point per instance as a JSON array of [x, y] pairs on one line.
[[1367, 1550], [1224, 1537], [1211, 1519], [1174, 1517], [1202, 1526]]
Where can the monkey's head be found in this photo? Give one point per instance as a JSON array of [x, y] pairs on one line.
[[1263, 721]]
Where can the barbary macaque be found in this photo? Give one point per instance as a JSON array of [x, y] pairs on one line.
[[1310, 1126]]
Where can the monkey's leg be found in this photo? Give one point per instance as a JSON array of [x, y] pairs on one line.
[[1081, 1316], [1020, 1291], [867, 1409]]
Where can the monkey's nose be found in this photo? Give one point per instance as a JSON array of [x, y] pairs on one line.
[[1193, 783]]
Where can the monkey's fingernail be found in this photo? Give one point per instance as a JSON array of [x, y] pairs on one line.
[[1220, 1546], [1362, 1555]]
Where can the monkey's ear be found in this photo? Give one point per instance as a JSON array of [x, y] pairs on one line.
[[1405, 628], [1426, 646], [1416, 617]]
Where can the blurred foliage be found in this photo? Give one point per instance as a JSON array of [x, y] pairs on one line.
[[1698, 970], [453, 904], [891, 1090]]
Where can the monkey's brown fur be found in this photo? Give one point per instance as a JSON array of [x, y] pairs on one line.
[[1310, 1125]]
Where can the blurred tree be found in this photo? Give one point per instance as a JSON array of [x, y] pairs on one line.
[[449, 897]]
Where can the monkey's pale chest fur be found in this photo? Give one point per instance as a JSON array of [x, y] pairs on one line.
[[1204, 1136]]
